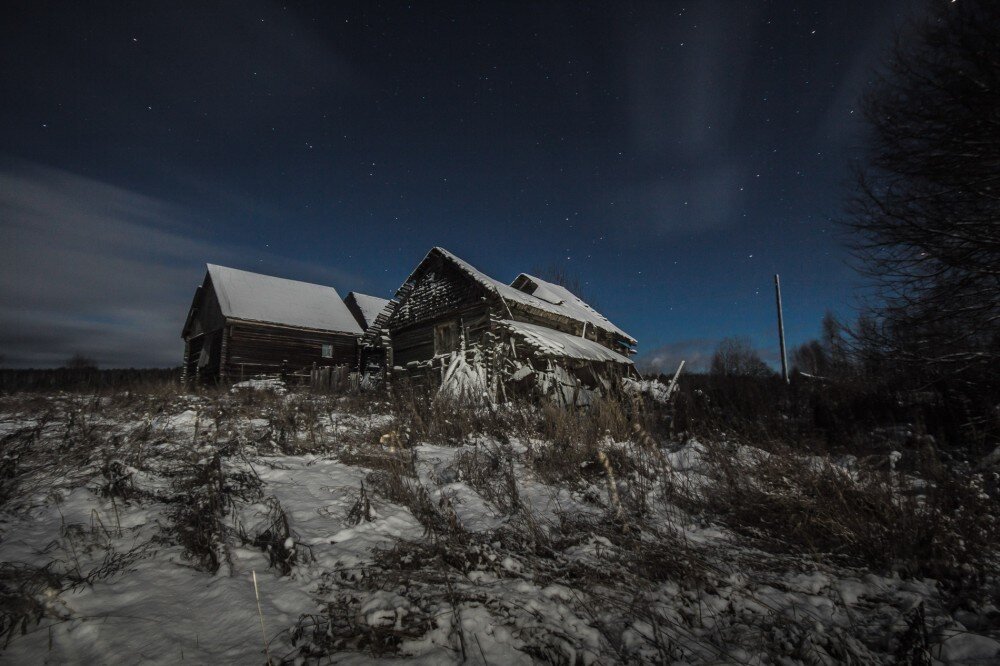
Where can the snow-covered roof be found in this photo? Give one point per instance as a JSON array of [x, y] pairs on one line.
[[256, 297], [542, 295], [370, 306], [549, 342], [566, 301]]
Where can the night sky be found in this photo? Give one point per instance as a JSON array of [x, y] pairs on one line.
[[673, 156]]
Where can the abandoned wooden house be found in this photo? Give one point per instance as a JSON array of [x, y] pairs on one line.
[[244, 324], [452, 325]]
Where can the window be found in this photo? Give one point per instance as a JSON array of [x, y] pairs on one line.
[[327, 351], [446, 337]]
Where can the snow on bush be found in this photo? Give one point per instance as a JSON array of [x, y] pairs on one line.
[[268, 384]]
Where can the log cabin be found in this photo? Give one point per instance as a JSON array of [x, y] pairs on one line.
[[244, 324], [453, 326]]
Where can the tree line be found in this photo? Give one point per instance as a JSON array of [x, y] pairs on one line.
[[923, 222]]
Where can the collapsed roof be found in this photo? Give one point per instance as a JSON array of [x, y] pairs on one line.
[[274, 300], [532, 292], [550, 343]]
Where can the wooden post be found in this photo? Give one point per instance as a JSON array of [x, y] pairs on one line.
[[187, 361], [672, 386], [781, 329], [224, 354], [389, 360]]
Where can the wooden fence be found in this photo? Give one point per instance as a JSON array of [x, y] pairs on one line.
[[333, 378]]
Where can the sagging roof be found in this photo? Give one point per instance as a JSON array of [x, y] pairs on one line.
[[539, 294], [368, 307], [551, 343], [568, 303], [274, 300]]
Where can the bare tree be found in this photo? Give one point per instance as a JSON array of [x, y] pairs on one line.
[[810, 358], [927, 214], [832, 356], [736, 357]]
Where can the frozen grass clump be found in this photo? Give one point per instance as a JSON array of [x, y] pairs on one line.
[[941, 524]]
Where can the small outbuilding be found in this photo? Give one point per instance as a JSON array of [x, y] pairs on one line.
[[244, 324], [370, 311], [365, 308]]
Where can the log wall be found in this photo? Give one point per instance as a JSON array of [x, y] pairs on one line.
[[440, 290], [416, 342], [205, 314], [440, 294], [254, 349], [192, 371]]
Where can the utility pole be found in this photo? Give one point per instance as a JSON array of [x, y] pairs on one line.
[[781, 329]]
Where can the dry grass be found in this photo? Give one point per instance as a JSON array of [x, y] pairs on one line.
[[614, 561], [275, 537], [490, 471], [200, 507], [945, 526]]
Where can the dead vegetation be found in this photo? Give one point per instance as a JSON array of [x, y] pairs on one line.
[[651, 547], [933, 522]]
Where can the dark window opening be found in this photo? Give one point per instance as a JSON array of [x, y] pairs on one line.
[[446, 338]]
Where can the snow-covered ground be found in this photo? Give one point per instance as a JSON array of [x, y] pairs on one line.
[[131, 530]]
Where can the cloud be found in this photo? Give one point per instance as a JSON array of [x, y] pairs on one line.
[[686, 77], [842, 122], [91, 268], [706, 199], [686, 73], [696, 354]]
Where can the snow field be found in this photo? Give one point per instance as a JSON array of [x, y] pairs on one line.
[[370, 544]]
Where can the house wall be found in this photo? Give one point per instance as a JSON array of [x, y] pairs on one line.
[[253, 348], [211, 344], [440, 294], [416, 342], [236, 349], [440, 289], [207, 312], [203, 331], [565, 380]]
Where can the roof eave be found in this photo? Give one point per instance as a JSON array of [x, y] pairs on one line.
[[331, 331]]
